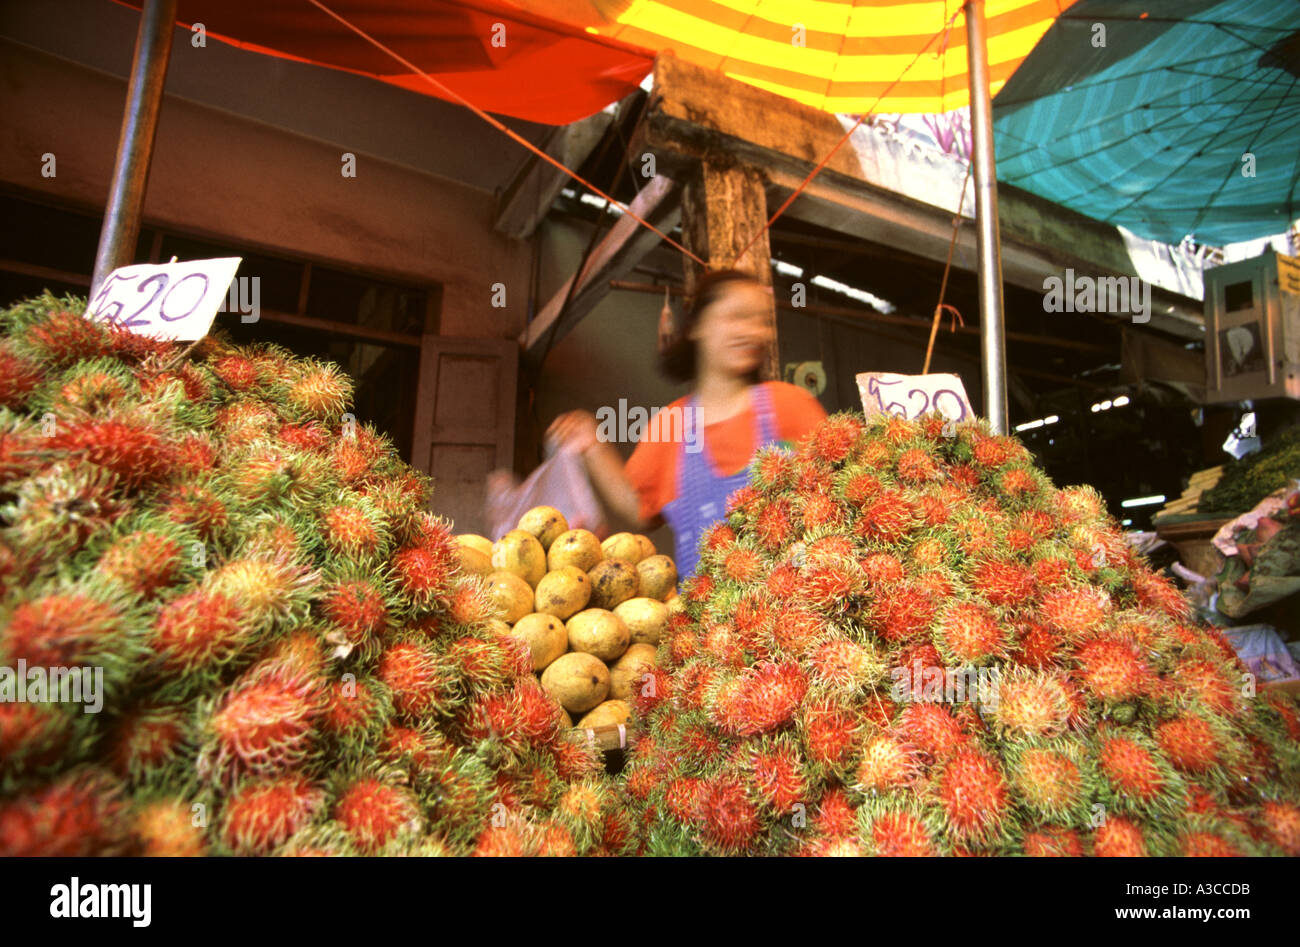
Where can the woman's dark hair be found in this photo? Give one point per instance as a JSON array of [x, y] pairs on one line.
[[678, 360]]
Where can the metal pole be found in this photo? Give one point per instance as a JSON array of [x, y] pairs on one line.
[[153, 47], [988, 246]]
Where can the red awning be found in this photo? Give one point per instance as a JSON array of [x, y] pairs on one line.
[[545, 72]]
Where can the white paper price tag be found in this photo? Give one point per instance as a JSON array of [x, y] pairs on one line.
[[914, 395], [165, 300]]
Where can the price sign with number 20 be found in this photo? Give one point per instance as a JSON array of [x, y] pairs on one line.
[[166, 300]]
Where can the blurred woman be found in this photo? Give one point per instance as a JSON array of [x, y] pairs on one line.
[[686, 480]]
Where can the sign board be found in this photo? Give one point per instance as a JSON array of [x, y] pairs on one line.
[[175, 301], [914, 395], [1288, 274]]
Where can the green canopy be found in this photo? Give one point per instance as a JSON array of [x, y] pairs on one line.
[[1168, 117]]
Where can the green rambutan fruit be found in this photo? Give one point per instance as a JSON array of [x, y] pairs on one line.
[[318, 391], [1051, 780], [1030, 704], [56, 510], [268, 588], [261, 815]]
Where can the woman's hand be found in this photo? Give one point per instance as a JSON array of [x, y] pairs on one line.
[[576, 430]]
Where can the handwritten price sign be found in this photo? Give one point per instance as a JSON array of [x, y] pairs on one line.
[[914, 395], [165, 301]]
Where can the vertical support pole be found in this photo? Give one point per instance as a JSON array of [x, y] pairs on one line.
[[993, 363], [722, 208], [121, 229]]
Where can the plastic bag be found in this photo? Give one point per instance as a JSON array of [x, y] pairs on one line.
[[1263, 652], [561, 481]]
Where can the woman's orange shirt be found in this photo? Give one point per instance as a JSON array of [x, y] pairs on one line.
[[652, 468]]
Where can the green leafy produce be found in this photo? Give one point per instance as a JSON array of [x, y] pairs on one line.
[[1247, 481]]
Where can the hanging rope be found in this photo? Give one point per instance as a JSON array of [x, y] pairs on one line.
[[941, 306], [461, 100]]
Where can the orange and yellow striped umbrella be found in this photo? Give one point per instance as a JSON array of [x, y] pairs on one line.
[[849, 56]]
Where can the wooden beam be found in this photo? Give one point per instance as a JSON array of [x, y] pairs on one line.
[[529, 195], [612, 258], [724, 206]]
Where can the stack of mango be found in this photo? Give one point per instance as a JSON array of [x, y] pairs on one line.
[[591, 612]]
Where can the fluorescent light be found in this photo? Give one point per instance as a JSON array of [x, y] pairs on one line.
[[861, 295], [1051, 419], [1121, 401], [1125, 522], [1095, 408], [1029, 425], [787, 269], [1143, 501]]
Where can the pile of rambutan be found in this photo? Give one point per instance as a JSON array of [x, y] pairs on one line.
[[904, 640], [289, 658]]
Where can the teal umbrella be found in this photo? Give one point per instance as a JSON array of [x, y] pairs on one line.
[[1168, 117]]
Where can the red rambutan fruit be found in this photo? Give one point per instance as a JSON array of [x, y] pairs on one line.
[[1051, 572], [973, 794], [833, 440], [424, 573], [1281, 821], [1112, 670], [774, 526], [742, 565], [1118, 838], [259, 817], [264, 722], [1053, 842], [1031, 703], [1003, 583], [1049, 782], [78, 816], [18, 378], [900, 835], [1040, 647], [886, 763], [357, 607], [1131, 768], [859, 488], [778, 779], [882, 568], [1190, 743], [902, 614], [198, 507], [502, 841], [932, 729], [165, 829], [916, 466], [199, 629], [1074, 611], [820, 511], [718, 537], [726, 816], [419, 682], [32, 735], [836, 817], [994, 451], [349, 531], [886, 517], [143, 562], [797, 628], [970, 633], [829, 732], [60, 630], [1208, 845], [64, 337], [137, 453], [372, 813]]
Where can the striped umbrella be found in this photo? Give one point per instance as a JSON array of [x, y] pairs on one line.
[[849, 56]]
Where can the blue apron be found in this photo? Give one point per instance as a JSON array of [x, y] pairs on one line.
[[702, 491]]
